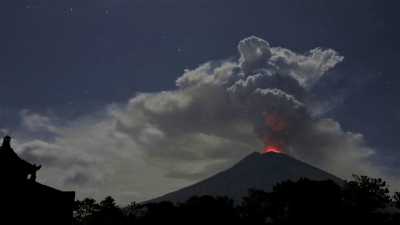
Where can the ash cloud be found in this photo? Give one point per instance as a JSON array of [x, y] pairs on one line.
[[218, 113]]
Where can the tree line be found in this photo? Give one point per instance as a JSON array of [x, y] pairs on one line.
[[363, 200]]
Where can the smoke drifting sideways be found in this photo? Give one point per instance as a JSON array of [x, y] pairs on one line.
[[218, 113], [221, 110]]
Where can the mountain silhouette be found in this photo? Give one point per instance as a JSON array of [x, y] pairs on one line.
[[256, 171]]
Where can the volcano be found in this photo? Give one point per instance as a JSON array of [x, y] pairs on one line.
[[257, 171]]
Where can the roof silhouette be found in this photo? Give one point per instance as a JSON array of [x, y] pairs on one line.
[[25, 201]]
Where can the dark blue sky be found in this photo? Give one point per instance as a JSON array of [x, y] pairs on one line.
[[73, 57]]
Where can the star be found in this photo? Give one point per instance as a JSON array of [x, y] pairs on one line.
[[69, 10]]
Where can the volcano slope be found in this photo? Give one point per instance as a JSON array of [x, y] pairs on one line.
[[256, 171]]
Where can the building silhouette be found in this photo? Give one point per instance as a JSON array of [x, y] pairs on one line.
[[25, 201]]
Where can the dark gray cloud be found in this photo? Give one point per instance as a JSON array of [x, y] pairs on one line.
[[219, 112], [79, 179], [51, 155]]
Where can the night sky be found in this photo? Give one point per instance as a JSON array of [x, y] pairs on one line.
[[64, 64]]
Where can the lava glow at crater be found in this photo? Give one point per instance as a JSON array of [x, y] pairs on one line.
[[271, 149]]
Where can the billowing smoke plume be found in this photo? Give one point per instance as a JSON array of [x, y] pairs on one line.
[[219, 112]]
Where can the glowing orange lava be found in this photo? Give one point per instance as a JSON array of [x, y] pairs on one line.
[[271, 149]]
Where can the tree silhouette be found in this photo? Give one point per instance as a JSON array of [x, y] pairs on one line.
[[367, 194], [84, 210], [363, 200], [396, 199], [108, 204], [133, 212], [89, 212], [306, 201], [258, 207], [157, 213], [208, 209], [109, 213]]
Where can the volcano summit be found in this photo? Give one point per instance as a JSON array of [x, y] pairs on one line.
[[256, 171]]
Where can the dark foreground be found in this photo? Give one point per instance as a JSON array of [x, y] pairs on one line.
[[25, 201], [362, 201]]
